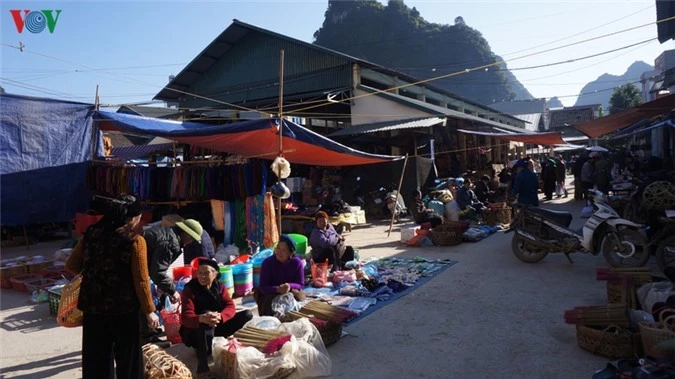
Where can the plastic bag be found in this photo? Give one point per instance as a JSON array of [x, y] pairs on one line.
[[253, 364], [171, 316], [307, 349], [319, 274], [283, 304], [652, 293], [264, 322], [221, 254]]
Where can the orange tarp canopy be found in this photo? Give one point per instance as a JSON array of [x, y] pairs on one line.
[[604, 125]]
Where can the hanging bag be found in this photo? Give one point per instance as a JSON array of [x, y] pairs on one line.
[[69, 316], [319, 274], [171, 314]]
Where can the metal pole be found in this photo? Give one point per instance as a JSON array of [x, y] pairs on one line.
[[281, 123], [94, 129], [398, 192]]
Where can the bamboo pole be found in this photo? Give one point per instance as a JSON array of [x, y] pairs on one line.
[[398, 193], [281, 125]]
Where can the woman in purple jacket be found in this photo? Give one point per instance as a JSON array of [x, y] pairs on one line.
[[327, 244], [280, 274]]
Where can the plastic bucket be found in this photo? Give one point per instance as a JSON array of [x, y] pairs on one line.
[[257, 264], [227, 279], [262, 254], [243, 278], [300, 243]]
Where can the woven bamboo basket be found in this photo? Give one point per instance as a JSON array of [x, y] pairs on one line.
[[441, 238], [69, 315], [653, 334], [7, 272], [160, 365], [610, 342], [623, 291]]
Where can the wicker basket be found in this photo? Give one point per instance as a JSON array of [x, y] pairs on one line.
[[441, 238], [623, 291], [610, 342], [160, 365], [653, 334]]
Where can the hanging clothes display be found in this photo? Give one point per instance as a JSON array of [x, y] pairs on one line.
[[228, 210], [239, 237], [255, 219], [224, 182], [271, 233]]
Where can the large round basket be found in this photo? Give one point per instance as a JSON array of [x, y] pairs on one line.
[[441, 238], [331, 333], [653, 334], [611, 342]]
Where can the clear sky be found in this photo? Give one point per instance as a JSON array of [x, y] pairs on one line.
[[131, 48]]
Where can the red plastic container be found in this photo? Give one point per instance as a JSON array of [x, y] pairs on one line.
[[172, 325], [241, 259], [19, 281], [179, 272]]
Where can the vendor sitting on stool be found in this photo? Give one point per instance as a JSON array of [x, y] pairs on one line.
[[466, 198], [421, 213], [280, 274], [208, 311], [327, 244]]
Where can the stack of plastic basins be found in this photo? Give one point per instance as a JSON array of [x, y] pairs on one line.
[[243, 278], [227, 279], [257, 263]]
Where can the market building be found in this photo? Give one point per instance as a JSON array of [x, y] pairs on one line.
[[237, 77]]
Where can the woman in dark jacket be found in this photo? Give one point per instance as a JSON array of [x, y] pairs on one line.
[[208, 311], [115, 285]]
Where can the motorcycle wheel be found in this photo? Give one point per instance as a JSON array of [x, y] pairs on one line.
[[664, 258], [520, 250], [633, 251]]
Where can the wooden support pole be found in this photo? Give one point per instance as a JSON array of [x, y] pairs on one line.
[[281, 123], [398, 193]]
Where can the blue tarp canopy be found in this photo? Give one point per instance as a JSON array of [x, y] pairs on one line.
[[253, 138], [44, 148]]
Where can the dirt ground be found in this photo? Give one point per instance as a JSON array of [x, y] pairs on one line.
[[488, 316]]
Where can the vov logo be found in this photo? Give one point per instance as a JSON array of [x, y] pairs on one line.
[[35, 21]]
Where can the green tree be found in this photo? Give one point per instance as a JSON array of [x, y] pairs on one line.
[[624, 97], [2, 90]]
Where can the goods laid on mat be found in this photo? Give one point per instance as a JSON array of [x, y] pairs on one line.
[[368, 286], [159, 364]]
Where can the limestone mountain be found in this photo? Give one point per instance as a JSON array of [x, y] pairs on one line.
[[398, 37], [600, 90]]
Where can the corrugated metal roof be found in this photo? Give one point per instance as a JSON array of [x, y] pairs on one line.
[[132, 152], [533, 120], [440, 111], [390, 125]]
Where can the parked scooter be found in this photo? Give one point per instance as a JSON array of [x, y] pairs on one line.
[[539, 232]]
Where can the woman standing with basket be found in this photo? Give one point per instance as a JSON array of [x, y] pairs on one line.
[[112, 260]]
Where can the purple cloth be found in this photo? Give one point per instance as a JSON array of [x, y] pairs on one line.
[[274, 273], [322, 239]]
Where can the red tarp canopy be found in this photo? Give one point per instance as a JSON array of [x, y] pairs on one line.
[[604, 125], [548, 138], [253, 138]]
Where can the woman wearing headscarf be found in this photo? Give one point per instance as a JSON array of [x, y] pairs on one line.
[[112, 259], [280, 274], [328, 244], [208, 311]]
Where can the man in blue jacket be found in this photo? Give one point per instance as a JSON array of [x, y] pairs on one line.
[[526, 186]]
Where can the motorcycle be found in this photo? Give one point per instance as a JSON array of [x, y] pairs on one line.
[[664, 239], [539, 232]]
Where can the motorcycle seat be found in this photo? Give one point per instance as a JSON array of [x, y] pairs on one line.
[[562, 218]]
